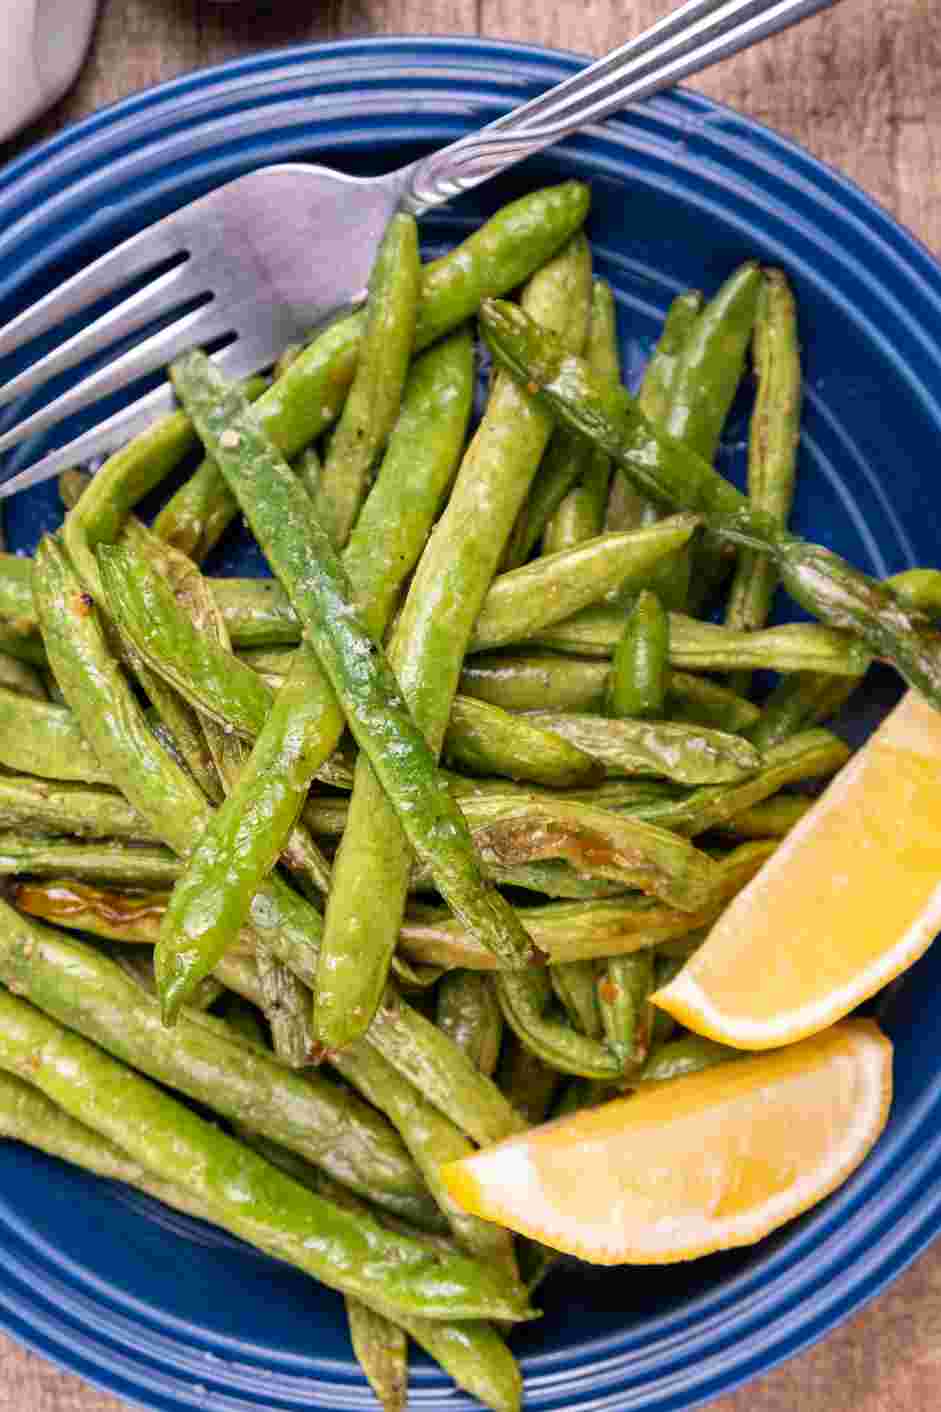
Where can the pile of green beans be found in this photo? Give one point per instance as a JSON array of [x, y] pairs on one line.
[[383, 857]]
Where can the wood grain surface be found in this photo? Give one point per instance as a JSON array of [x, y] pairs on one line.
[[861, 88]]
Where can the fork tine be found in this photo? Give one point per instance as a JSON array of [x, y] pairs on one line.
[[134, 313], [102, 277], [118, 429], [105, 437], [149, 356]]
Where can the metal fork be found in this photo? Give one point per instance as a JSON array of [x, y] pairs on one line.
[[221, 271]]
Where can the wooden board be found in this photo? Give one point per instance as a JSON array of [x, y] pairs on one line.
[[860, 86]]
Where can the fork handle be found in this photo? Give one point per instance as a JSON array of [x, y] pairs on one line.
[[691, 38]]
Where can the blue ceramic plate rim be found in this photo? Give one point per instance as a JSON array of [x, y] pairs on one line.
[[888, 1213]]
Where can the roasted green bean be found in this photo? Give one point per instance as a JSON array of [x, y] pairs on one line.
[[372, 405], [640, 662], [682, 753]]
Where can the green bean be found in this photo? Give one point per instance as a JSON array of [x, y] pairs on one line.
[[16, 594], [496, 258], [120, 916], [123, 480], [47, 806], [679, 752], [524, 999], [807, 755], [105, 709], [484, 740], [27, 1115], [441, 1071], [244, 1193], [816, 578], [381, 1350], [82, 988], [309, 468], [155, 628], [468, 1012], [828, 586], [411, 1057], [138, 966], [625, 984], [639, 666], [627, 508], [100, 861], [547, 683], [772, 818], [597, 842], [473, 1353], [583, 931], [574, 986], [661, 374], [431, 1139], [372, 866], [687, 1055], [708, 373], [287, 1002], [581, 514], [480, 797], [357, 669], [712, 362], [375, 395], [666, 968], [257, 613], [177, 812], [698, 646], [918, 588], [525, 601], [24, 648], [772, 445], [791, 705], [528, 1083], [702, 702], [72, 485], [22, 678], [577, 518], [567, 461], [502, 253]]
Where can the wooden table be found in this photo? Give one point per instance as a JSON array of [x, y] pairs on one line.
[[861, 88]]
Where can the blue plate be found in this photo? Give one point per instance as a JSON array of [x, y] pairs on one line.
[[171, 1315]]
